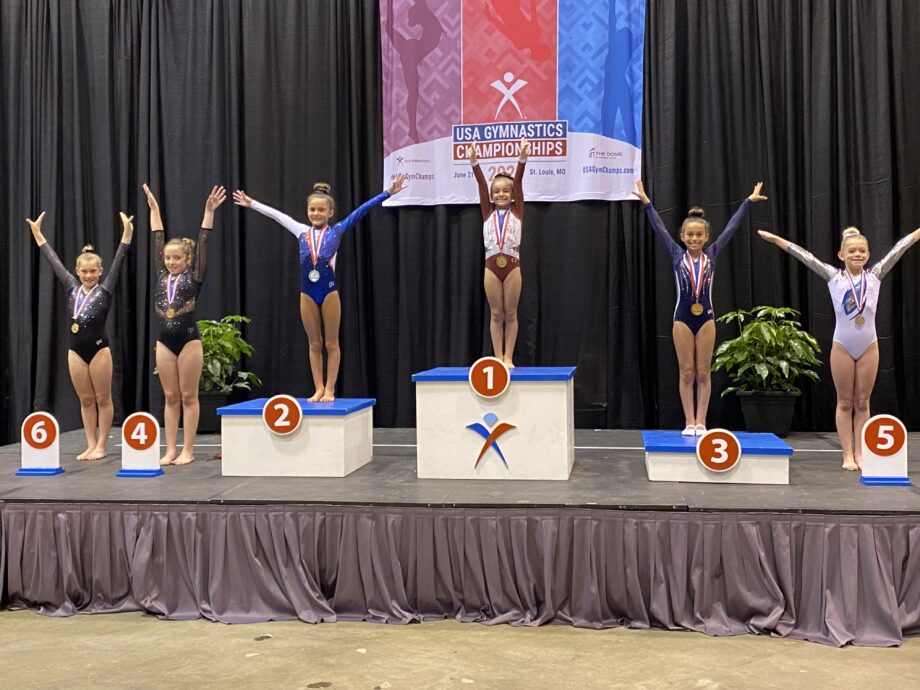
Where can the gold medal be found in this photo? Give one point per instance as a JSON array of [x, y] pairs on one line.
[[696, 309], [170, 313], [75, 328], [860, 320], [501, 261]]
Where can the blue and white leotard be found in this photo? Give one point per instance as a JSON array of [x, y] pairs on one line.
[[325, 263], [680, 258]]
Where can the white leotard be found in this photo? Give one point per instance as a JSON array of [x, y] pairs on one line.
[[853, 337]]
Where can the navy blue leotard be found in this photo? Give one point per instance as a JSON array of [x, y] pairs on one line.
[[682, 276]]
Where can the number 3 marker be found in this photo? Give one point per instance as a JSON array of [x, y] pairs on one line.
[[718, 450]]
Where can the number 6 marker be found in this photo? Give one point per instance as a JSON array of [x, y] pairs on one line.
[[41, 452]]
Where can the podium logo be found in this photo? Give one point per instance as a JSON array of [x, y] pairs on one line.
[[491, 432]]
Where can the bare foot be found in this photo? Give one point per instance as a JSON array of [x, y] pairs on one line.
[[85, 454], [169, 458], [328, 396], [849, 464], [97, 454], [184, 459], [858, 460], [508, 363], [316, 396]]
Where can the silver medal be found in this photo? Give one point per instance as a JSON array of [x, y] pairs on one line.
[[313, 276]]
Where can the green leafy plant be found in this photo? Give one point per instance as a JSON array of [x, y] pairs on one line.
[[223, 347], [771, 353]]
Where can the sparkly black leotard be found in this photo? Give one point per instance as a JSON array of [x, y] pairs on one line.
[[176, 296], [88, 311]]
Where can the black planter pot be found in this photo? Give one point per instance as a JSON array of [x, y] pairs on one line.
[[768, 412], [208, 419]]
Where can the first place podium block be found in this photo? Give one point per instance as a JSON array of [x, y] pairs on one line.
[[526, 432], [671, 457], [332, 440]]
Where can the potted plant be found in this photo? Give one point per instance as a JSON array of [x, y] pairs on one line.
[[764, 363], [223, 348]]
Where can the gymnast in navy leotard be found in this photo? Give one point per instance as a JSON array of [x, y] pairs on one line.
[[89, 359], [178, 349], [320, 307], [694, 329]]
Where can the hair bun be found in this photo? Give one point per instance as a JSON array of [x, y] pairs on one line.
[[696, 212], [849, 232], [322, 188], [87, 249]]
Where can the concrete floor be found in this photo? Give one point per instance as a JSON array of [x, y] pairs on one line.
[[132, 650]]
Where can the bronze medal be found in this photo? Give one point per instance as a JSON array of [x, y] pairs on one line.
[[501, 261], [860, 320], [75, 328], [170, 313], [696, 309]]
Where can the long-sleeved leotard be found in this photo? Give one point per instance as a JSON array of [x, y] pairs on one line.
[[318, 279], [176, 297], [686, 270], [854, 334], [502, 230], [88, 311]]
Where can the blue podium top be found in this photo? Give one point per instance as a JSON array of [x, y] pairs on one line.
[[751, 444], [517, 374], [337, 408]]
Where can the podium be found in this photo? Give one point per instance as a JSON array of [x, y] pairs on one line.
[[671, 457], [526, 432], [332, 439]]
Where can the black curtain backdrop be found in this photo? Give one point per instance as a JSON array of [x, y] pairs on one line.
[[99, 96]]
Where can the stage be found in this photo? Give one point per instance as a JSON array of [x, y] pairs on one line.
[[823, 559]]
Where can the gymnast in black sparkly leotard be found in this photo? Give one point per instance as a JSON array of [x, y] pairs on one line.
[[89, 359], [178, 350]]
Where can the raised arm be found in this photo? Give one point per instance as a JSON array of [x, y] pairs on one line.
[[735, 222], [882, 268], [111, 277], [156, 226], [68, 279], [661, 232], [241, 198], [826, 271], [517, 189], [355, 216], [485, 199], [217, 196]]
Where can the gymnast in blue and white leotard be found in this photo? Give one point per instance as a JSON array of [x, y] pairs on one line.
[[318, 242], [694, 267], [854, 353]]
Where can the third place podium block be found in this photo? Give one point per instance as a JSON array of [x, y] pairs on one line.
[[719, 456], [479, 423], [290, 437]]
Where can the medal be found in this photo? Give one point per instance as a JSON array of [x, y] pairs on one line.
[[81, 299], [171, 287], [499, 222], [697, 271], [314, 246], [859, 295], [501, 261]]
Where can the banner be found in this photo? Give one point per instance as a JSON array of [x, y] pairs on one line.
[[564, 74]]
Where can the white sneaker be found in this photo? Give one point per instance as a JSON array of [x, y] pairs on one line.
[[689, 430], [700, 429]]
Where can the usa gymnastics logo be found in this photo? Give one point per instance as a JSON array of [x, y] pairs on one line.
[[491, 434]]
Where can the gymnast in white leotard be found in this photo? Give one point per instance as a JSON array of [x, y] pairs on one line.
[[854, 353]]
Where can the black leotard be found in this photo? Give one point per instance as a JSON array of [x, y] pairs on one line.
[[179, 326]]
